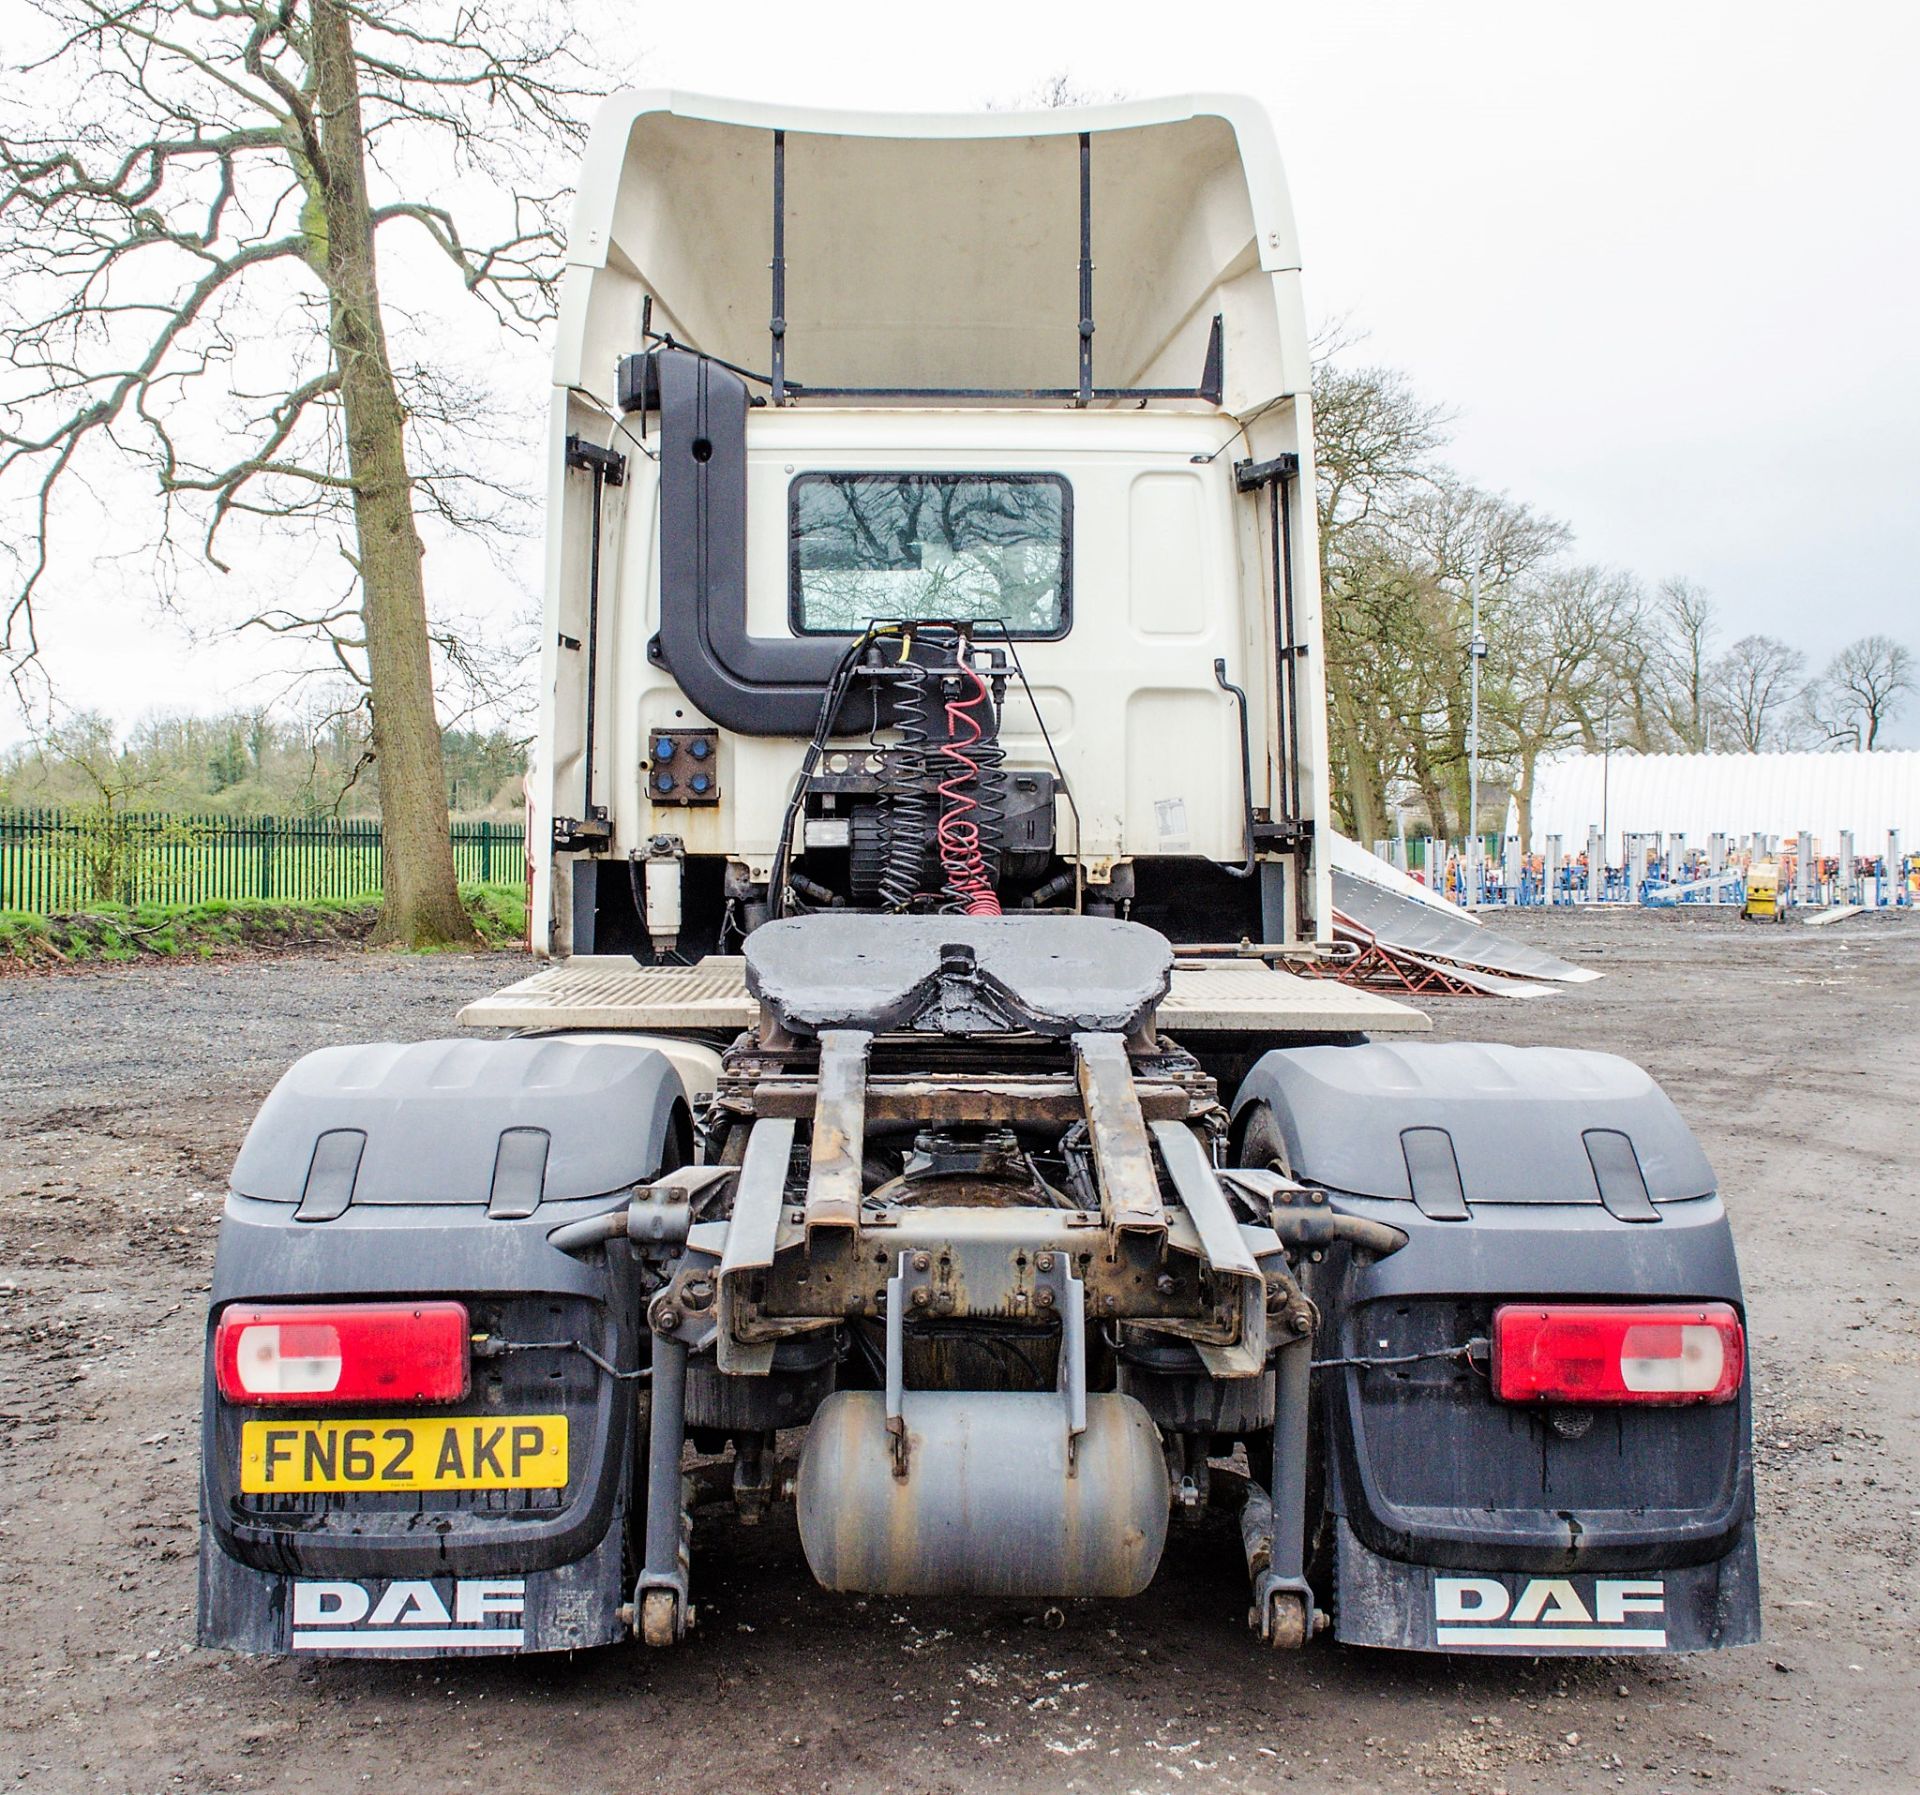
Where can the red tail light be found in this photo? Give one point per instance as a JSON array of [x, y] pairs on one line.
[[342, 1352], [1665, 1353]]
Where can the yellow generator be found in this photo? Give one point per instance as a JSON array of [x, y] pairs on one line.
[[1764, 901]]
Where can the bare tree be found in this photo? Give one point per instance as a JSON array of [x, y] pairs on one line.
[[1389, 649], [1681, 662], [1052, 92], [101, 835], [1575, 653], [191, 195], [1756, 688], [1463, 537], [1376, 453], [1862, 690], [1376, 443], [1569, 631], [1403, 542]]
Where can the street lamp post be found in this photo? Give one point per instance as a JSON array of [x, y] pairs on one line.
[[1476, 653], [1606, 773]]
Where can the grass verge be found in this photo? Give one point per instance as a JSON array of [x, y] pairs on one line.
[[110, 934]]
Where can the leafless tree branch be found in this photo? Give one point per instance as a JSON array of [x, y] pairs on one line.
[[141, 213]]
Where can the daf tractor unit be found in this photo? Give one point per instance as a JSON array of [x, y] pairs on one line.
[[933, 1121]]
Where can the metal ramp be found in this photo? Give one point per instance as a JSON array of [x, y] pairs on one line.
[[1427, 946], [1367, 960]]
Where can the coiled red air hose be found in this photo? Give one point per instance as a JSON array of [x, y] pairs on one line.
[[958, 834]]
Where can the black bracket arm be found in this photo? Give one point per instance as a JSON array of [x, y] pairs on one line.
[[1277, 477], [605, 464], [1250, 476]]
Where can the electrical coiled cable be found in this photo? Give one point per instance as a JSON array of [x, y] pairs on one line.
[[907, 797], [958, 834]]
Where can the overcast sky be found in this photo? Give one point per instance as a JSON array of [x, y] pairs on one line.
[[1660, 257]]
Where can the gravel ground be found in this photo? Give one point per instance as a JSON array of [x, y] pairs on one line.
[[139, 1033], [123, 1095]]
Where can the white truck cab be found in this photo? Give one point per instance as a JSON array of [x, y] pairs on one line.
[[1009, 368]]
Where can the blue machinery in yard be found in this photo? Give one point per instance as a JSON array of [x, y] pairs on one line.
[[1658, 872]]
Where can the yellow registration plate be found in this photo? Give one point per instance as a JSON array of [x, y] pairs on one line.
[[461, 1452]]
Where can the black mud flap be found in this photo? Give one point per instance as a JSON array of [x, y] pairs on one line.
[[564, 1609], [1426, 1608], [1457, 1521], [461, 1160], [455, 1571], [1460, 1523]]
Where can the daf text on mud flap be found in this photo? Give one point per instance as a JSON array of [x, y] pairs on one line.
[[1549, 1611], [349, 1617]]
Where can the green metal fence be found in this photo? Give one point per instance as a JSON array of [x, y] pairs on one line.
[[54, 861]]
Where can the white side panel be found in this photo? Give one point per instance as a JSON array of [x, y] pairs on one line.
[[1164, 546], [1177, 744]]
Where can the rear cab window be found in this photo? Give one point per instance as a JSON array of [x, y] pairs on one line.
[[916, 547]]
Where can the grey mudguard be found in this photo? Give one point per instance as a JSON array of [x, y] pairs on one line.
[[503, 1268], [1519, 1119], [565, 1609], [548, 1118], [1425, 1467], [1424, 1608]]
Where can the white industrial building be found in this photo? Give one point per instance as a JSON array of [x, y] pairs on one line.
[[1738, 795]]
